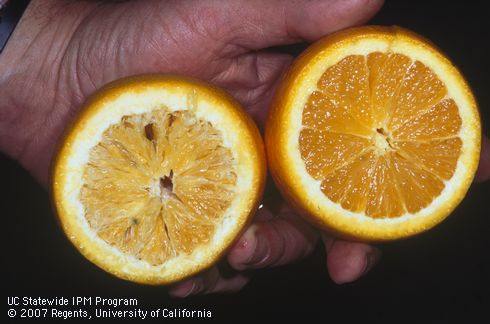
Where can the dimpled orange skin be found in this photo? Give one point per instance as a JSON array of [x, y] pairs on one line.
[[276, 128], [247, 129]]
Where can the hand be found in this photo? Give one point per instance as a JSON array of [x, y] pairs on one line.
[[63, 51]]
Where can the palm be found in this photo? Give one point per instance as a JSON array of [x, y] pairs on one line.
[[164, 42]]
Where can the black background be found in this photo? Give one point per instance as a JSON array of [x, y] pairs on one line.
[[442, 276]]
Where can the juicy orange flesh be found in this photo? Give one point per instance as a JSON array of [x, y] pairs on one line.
[[157, 184], [380, 134]]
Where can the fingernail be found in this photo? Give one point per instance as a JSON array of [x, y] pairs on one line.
[[372, 258], [197, 287]]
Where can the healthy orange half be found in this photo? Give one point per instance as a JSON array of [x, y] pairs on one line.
[[157, 176], [374, 134]]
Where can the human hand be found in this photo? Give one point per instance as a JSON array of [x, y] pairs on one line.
[[61, 52]]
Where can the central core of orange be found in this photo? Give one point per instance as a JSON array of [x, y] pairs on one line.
[[381, 141]]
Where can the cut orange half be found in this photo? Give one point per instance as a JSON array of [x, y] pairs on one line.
[[374, 134], [157, 176]]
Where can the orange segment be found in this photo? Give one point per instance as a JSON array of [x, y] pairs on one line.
[[187, 229], [440, 121], [158, 247], [420, 90], [437, 156], [351, 192], [417, 186], [323, 114], [384, 199], [131, 231], [387, 72], [323, 151], [373, 134], [346, 84]]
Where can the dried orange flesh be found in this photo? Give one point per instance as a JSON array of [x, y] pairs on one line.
[[380, 134], [157, 184]]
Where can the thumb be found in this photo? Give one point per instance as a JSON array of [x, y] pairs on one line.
[[348, 261], [260, 24]]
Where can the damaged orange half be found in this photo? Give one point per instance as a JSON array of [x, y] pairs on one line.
[[157, 176]]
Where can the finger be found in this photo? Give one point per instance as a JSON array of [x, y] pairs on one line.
[[259, 24], [281, 239], [210, 281], [348, 261], [483, 173]]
